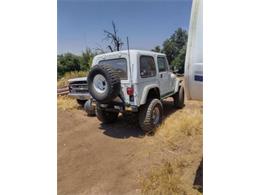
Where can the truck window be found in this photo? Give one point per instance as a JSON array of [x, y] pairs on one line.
[[162, 64], [147, 66], [119, 64]]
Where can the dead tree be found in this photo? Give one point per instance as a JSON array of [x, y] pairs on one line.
[[115, 41]]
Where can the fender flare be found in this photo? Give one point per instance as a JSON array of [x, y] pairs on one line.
[[146, 91], [178, 83]]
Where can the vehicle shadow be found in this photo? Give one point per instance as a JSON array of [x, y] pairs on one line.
[[125, 128], [122, 129]]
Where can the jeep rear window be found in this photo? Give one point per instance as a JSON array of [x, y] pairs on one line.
[[147, 67], [119, 64]]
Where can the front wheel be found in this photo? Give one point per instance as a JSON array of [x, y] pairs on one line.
[[179, 98], [105, 116], [150, 115]]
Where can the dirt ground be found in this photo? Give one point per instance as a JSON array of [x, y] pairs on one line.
[[102, 159]]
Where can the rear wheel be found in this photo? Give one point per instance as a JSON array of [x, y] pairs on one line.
[[150, 115], [106, 116]]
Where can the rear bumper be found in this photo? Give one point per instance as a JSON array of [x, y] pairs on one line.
[[83, 96], [113, 106], [117, 107]]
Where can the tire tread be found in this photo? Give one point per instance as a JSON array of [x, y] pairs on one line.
[[146, 114]]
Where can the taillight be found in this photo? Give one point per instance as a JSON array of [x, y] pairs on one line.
[[130, 91]]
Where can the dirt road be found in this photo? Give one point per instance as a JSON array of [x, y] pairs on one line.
[[100, 159]]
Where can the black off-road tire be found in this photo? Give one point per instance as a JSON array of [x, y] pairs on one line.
[[81, 102], [179, 98], [112, 79], [105, 116], [145, 115]]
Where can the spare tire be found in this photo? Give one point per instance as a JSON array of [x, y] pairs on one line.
[[103, 83]]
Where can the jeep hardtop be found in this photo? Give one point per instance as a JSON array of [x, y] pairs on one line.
[[132, 82]]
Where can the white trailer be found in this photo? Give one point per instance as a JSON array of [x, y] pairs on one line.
[[194, 56]]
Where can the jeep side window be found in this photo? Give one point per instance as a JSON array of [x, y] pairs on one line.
[[162, 64], [147, 66]]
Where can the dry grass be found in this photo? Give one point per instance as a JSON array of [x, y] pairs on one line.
[[165, 179], [67, 103], [178, 145], [185, 122], [70, 75]]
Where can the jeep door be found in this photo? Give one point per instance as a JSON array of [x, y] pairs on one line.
[[147, 74], [164, 76]]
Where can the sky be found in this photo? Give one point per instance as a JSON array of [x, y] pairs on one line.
[[81, 23]]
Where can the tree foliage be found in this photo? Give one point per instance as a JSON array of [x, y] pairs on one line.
[[87, 57], [157, 49], [69, 62], [175, 49]]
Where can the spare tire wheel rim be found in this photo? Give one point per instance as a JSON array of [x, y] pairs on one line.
[[100, 84], [156, 115]]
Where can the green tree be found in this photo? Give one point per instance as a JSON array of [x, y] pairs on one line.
[[169, 49], [68, 62], [179, 61], [157, 49], [175, 49], [86, 59]]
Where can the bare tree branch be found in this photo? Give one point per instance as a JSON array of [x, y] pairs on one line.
[[114, 39], [109, 47]]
